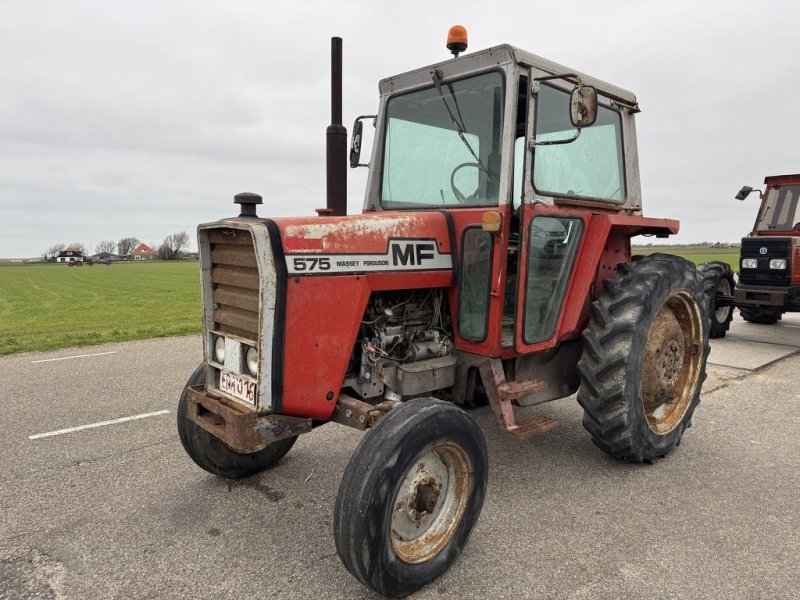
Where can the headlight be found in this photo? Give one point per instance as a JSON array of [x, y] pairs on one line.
[[219, 349], [251, 360], [777, 263], [749, 263]]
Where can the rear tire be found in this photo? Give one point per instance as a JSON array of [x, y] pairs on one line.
[[211, 454], [644, 358], [762, 317], [410, 496], [718, 279]]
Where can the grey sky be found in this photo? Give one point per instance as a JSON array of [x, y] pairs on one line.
[[145, 118]]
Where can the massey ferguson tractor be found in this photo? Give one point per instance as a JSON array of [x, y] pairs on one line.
[[492, 260], [769, 262]]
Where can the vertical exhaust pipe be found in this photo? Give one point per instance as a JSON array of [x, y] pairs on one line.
[[336, 134]]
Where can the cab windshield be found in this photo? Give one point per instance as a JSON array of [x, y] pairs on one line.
[[443, 145], [781, 209]]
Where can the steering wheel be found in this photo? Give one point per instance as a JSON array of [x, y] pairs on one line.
[[462, 199]]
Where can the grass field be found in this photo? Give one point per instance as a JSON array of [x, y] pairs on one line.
[[697, 254], [43, 307]]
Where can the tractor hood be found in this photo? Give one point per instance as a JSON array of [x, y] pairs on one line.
[[370, 243]]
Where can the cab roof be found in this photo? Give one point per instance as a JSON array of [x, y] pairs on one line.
[[782, 179], [497, 56]]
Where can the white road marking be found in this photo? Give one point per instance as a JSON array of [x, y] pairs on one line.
[[33, 362], [99, 424]]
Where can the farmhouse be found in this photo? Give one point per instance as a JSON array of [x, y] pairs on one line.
[[69, 254], [142, 252]]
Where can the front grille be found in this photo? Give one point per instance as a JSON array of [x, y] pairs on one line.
[[235, 282], [763, 275]]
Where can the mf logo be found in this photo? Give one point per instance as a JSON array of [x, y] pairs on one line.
[[411, 253], [762, 250]]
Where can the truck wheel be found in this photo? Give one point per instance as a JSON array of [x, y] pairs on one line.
[[410, 496], [754, 315], [718, 279], [644, 358], [209, 453]]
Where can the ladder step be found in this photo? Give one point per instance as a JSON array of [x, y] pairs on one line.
[[514, 390], [531, 427]]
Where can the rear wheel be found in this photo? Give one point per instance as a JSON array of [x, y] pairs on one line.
[[410, 496], [644, 357], [211, 454], [718, 281], [756, 315]]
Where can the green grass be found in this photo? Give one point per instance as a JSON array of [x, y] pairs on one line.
[[697, 254], [47, 306]]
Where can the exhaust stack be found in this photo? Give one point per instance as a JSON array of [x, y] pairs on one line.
[[336, 134]]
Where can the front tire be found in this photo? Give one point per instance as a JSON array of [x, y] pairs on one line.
[[718, 280], [644, 358], [211, 454], [762, 317], [410, 496]]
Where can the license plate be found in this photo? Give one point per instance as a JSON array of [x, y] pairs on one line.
[[237, 387]]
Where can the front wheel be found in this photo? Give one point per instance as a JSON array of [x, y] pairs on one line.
[[410, 496], [211, 454], [718, 281], [762, 317], [644, 357]]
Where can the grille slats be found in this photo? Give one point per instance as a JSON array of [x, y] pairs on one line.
[[236, 297], [240, 278], [229, 254], [763, 275], [235, 281], [235, 317]]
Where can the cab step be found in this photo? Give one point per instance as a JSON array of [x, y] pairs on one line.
[[502, 395], [514, 390], [530, 427]]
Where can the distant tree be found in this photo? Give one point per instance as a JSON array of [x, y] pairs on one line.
[[52, 251], [125, 245], [105, 246], [79, 246], [173, 245]]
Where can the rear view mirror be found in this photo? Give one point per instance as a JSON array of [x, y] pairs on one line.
[[744, 192], [355, 142], [583, 106]]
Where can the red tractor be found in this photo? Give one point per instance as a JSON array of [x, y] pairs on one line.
[[769, 262], [492, 260]]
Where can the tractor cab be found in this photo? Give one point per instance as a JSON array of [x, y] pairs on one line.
[[780, 206], [520, 153]]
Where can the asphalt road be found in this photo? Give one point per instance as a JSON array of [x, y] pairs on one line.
[[119, 511]]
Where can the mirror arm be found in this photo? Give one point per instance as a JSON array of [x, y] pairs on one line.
[[533, 143], [572, 77]]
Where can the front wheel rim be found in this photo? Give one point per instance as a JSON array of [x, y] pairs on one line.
[[672, 362], [723, 312], [430, 503]]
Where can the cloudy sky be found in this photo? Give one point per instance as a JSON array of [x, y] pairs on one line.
[[145, 118]]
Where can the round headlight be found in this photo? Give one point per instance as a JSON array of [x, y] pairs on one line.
[[219, 349], [251, 360]]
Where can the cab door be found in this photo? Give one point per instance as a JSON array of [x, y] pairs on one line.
[[550, 240]]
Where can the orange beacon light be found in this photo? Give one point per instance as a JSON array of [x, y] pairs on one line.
[[457, 39]]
